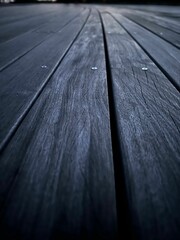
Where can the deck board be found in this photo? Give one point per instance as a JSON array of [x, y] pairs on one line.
[[90, 122], [75, 186], [30, 23], [148, 133], [19, 46], [164, 54], [16, 28], [162, 32], [19, 88], [160, 21], [18, 12]]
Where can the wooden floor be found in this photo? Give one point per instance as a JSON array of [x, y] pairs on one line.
[[89, 122]]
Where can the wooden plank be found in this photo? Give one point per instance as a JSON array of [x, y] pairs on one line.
[[18, 12], [147, 108], [166, 34], [171, 15], [14, 29], [60, 20], [152, 17], [168, 12], [17, 28], [167, 23], [15, 48], [62, 168], [166, 56], [22, 81], [173, 10]]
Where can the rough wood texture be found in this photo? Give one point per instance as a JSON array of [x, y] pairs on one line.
[[164, 54], [162, 32], [32, 19], [20, 12], [20, 86], [89, 122], [147, 107], [160, 21], [62, 182], [19, 46]]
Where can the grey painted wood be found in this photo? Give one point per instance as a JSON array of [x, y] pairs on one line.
[[61, 181], [147, 108], [164, 54], [22, 81], [16, 47]]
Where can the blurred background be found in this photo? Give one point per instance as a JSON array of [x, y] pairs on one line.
[[162, 2]]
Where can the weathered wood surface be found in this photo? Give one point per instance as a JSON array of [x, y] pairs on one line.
[[90, 122], [20, 45], [72, 164], [165, 55], [148, 120], [18, 91], [162, 31], [33, 17], [160, 21]]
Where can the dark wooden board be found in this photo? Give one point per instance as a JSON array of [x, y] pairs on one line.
[[147, 109], [169, 24], [16, 11], [156, 9], [17, 47], [14, 29], [19, 27], [11, 17], [89, 136], [166, 34], [168, 12], [166, 23], [22, 81], [60, 184], [166, 56]]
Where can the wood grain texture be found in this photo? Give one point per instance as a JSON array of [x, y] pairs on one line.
[[162, 32], [170, 24], [19, 27], [147, 107], [18, 12], [60, 184], [89, 122], [161, 21], [15, 29], [164, 54], [22, 81], [17, 47]]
